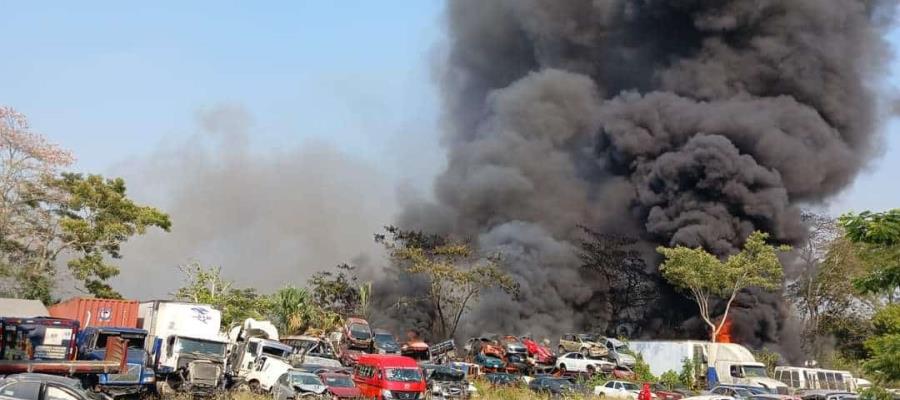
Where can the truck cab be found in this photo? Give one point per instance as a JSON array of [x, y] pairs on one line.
[[138, 376], [733, 364], [39, 338], [187, 348]]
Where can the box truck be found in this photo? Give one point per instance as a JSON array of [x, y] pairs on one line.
[[718, 363], [185, 343]]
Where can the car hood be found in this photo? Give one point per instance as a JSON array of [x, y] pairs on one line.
[[349, 392], [311, 388]]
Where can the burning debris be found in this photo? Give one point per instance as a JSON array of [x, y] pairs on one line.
[[692, 122]]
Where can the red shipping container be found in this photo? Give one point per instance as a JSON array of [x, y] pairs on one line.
[[98, 312]]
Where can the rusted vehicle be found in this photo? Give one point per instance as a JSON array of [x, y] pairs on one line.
[[358, 335]]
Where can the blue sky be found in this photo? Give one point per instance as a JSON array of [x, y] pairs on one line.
[[115, 80]]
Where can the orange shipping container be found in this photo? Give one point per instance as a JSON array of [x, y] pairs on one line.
[[98, 312]]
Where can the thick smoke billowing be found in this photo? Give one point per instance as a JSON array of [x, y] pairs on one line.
[[268, 217], [680, 122]]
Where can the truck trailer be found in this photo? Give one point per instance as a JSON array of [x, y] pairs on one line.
[[184, 342], [716, 363]]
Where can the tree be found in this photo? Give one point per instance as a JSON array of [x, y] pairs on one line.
[[455, 275], [294, 311], [879, 235], [337, 291], [27, 163], [707, 278], [44, 214], [204, 285], [829, 304], [629, 286]]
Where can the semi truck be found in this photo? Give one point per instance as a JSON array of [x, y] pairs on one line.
[[100, 320], [184, 342], [716, 363], [257, 358]]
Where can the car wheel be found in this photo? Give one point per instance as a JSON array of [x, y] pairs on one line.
[[601, 395], [590, 371], [562, 368], [254, 387]]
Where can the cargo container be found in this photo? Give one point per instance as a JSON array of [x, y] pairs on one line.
[[98, 312]]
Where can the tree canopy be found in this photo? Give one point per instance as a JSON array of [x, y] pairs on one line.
[[707, 278]]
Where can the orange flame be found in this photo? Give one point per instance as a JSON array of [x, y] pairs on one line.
[[724, 335]]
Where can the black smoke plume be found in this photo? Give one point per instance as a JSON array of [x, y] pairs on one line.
[[687, 122]]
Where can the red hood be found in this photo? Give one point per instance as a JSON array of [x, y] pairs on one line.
[[536, 350], [345, 392]]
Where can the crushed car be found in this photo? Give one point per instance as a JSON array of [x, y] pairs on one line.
[[583, 343]]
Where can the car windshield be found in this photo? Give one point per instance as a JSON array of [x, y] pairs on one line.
[[560, 382], [630, 386], [753, 371], [403, 374], [500, 378], [360, 331], [743, 392], [305, 379], [198, 346], [384, 338], [339, 381], [587, 338]]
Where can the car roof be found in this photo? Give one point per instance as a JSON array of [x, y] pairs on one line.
[[382, 332], [357, 321], [301, 372], [44, 378], [615, 342], [385, 360]]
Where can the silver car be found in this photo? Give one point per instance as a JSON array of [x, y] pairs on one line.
[[296, 384]]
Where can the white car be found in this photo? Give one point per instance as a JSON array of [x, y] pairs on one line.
[[620, 390], [577, 362], [709, 397]]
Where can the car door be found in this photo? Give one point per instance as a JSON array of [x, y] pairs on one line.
[[578, 362], [21, 390]]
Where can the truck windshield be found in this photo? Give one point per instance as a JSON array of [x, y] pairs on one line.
[[403, 374], [755, 371], [276, 351], [135, 341], [198, 346]]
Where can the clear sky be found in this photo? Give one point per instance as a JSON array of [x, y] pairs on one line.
[[113, 80]]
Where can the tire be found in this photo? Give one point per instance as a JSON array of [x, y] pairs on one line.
[[601, 395], [562, 368], [254, 387], [591, 371]]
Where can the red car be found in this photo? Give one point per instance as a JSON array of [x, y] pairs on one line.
[[540, 354], [663, 393], [389, 377], [340, 386], [623, 373]]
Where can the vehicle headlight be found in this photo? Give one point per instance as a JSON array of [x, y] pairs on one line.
[[387, 394]]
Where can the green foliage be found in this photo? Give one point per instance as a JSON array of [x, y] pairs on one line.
[[706, 277], [884, 346], [95, 218], [688, 374], [455, 274], [294, 311], [206, 286], [670, 379], [880, 235], [768, 358], [875, 393], [642, 370]]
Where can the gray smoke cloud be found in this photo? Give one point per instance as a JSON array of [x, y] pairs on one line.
[[680, 122], [268, 217]]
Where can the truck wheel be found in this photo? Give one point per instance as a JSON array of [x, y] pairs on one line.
[[163, 389], [254, 387]]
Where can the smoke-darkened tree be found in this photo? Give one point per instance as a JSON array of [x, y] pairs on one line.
[[629, 287], [454, 273], [338, 290]]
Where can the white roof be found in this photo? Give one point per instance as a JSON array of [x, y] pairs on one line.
[[21, 308]]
